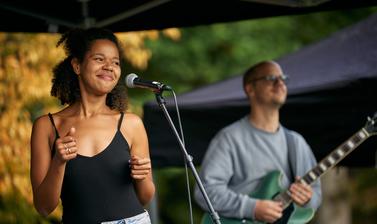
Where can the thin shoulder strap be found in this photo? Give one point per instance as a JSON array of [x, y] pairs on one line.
[[290, 149], [120, 120], [53, 124]]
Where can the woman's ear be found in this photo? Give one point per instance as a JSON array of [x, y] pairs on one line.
[[75, 66]]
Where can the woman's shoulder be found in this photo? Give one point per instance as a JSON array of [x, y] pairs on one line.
[[132, 120], [132, 123], [131, 117], [42, 119], [50, 117], [42, 124]]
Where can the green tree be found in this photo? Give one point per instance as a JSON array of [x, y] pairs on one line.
[[205, 54]]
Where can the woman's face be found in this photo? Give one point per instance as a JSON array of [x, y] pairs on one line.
[[100, 70]]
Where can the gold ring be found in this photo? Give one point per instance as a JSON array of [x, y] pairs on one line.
[[65, 146], [69, 150]]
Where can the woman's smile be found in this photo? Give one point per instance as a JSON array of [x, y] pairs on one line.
[[106, 77]]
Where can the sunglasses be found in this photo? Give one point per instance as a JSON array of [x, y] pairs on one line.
[[272, 78]]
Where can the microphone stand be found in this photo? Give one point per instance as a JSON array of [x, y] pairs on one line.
[[161, 102]]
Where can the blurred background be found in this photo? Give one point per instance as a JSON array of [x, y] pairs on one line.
[[186, 59]]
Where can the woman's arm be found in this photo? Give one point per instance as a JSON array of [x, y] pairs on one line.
[[46, 172], [141, 168]]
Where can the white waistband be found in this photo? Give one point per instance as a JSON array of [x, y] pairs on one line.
[[142, 218]]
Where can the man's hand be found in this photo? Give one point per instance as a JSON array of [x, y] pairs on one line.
[[301, 193], [268, 211]]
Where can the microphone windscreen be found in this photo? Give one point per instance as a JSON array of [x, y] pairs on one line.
[[130, 80]]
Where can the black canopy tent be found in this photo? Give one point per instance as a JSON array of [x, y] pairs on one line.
[[332, 90], [122, 16]]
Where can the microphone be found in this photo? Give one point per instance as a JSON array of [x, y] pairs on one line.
[[133, 81]]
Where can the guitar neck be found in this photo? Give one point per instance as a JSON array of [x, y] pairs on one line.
[[327, 163], [335, 156]]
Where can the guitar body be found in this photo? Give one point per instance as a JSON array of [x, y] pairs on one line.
[[269, 188]]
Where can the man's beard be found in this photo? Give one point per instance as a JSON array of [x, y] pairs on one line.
[[278, 103]]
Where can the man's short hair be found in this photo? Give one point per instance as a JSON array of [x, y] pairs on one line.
[[254, 70]]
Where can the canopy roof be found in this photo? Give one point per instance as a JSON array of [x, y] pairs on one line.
[[332, 89], [121, 15]]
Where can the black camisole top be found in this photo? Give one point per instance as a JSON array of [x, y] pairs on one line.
[[99, 188]]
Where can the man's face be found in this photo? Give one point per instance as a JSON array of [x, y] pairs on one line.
[[268, 87]]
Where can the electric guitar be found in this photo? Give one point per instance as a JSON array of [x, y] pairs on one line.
[[269, 187]]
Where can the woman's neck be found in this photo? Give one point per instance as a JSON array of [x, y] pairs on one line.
[[90, 108]]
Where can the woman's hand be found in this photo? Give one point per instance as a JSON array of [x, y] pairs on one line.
[[66, 148], [140, 167]]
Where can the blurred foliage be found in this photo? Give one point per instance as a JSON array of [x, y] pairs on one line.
[[205, 54], [24, 70], [173, 197], [363, 189], [185, 58]]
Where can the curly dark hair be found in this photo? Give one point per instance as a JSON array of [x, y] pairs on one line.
[[65, 84]]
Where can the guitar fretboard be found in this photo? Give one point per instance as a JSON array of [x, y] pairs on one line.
[[327, 163], [335, 156]]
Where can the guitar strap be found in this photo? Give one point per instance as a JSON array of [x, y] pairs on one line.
[[290, 149]]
